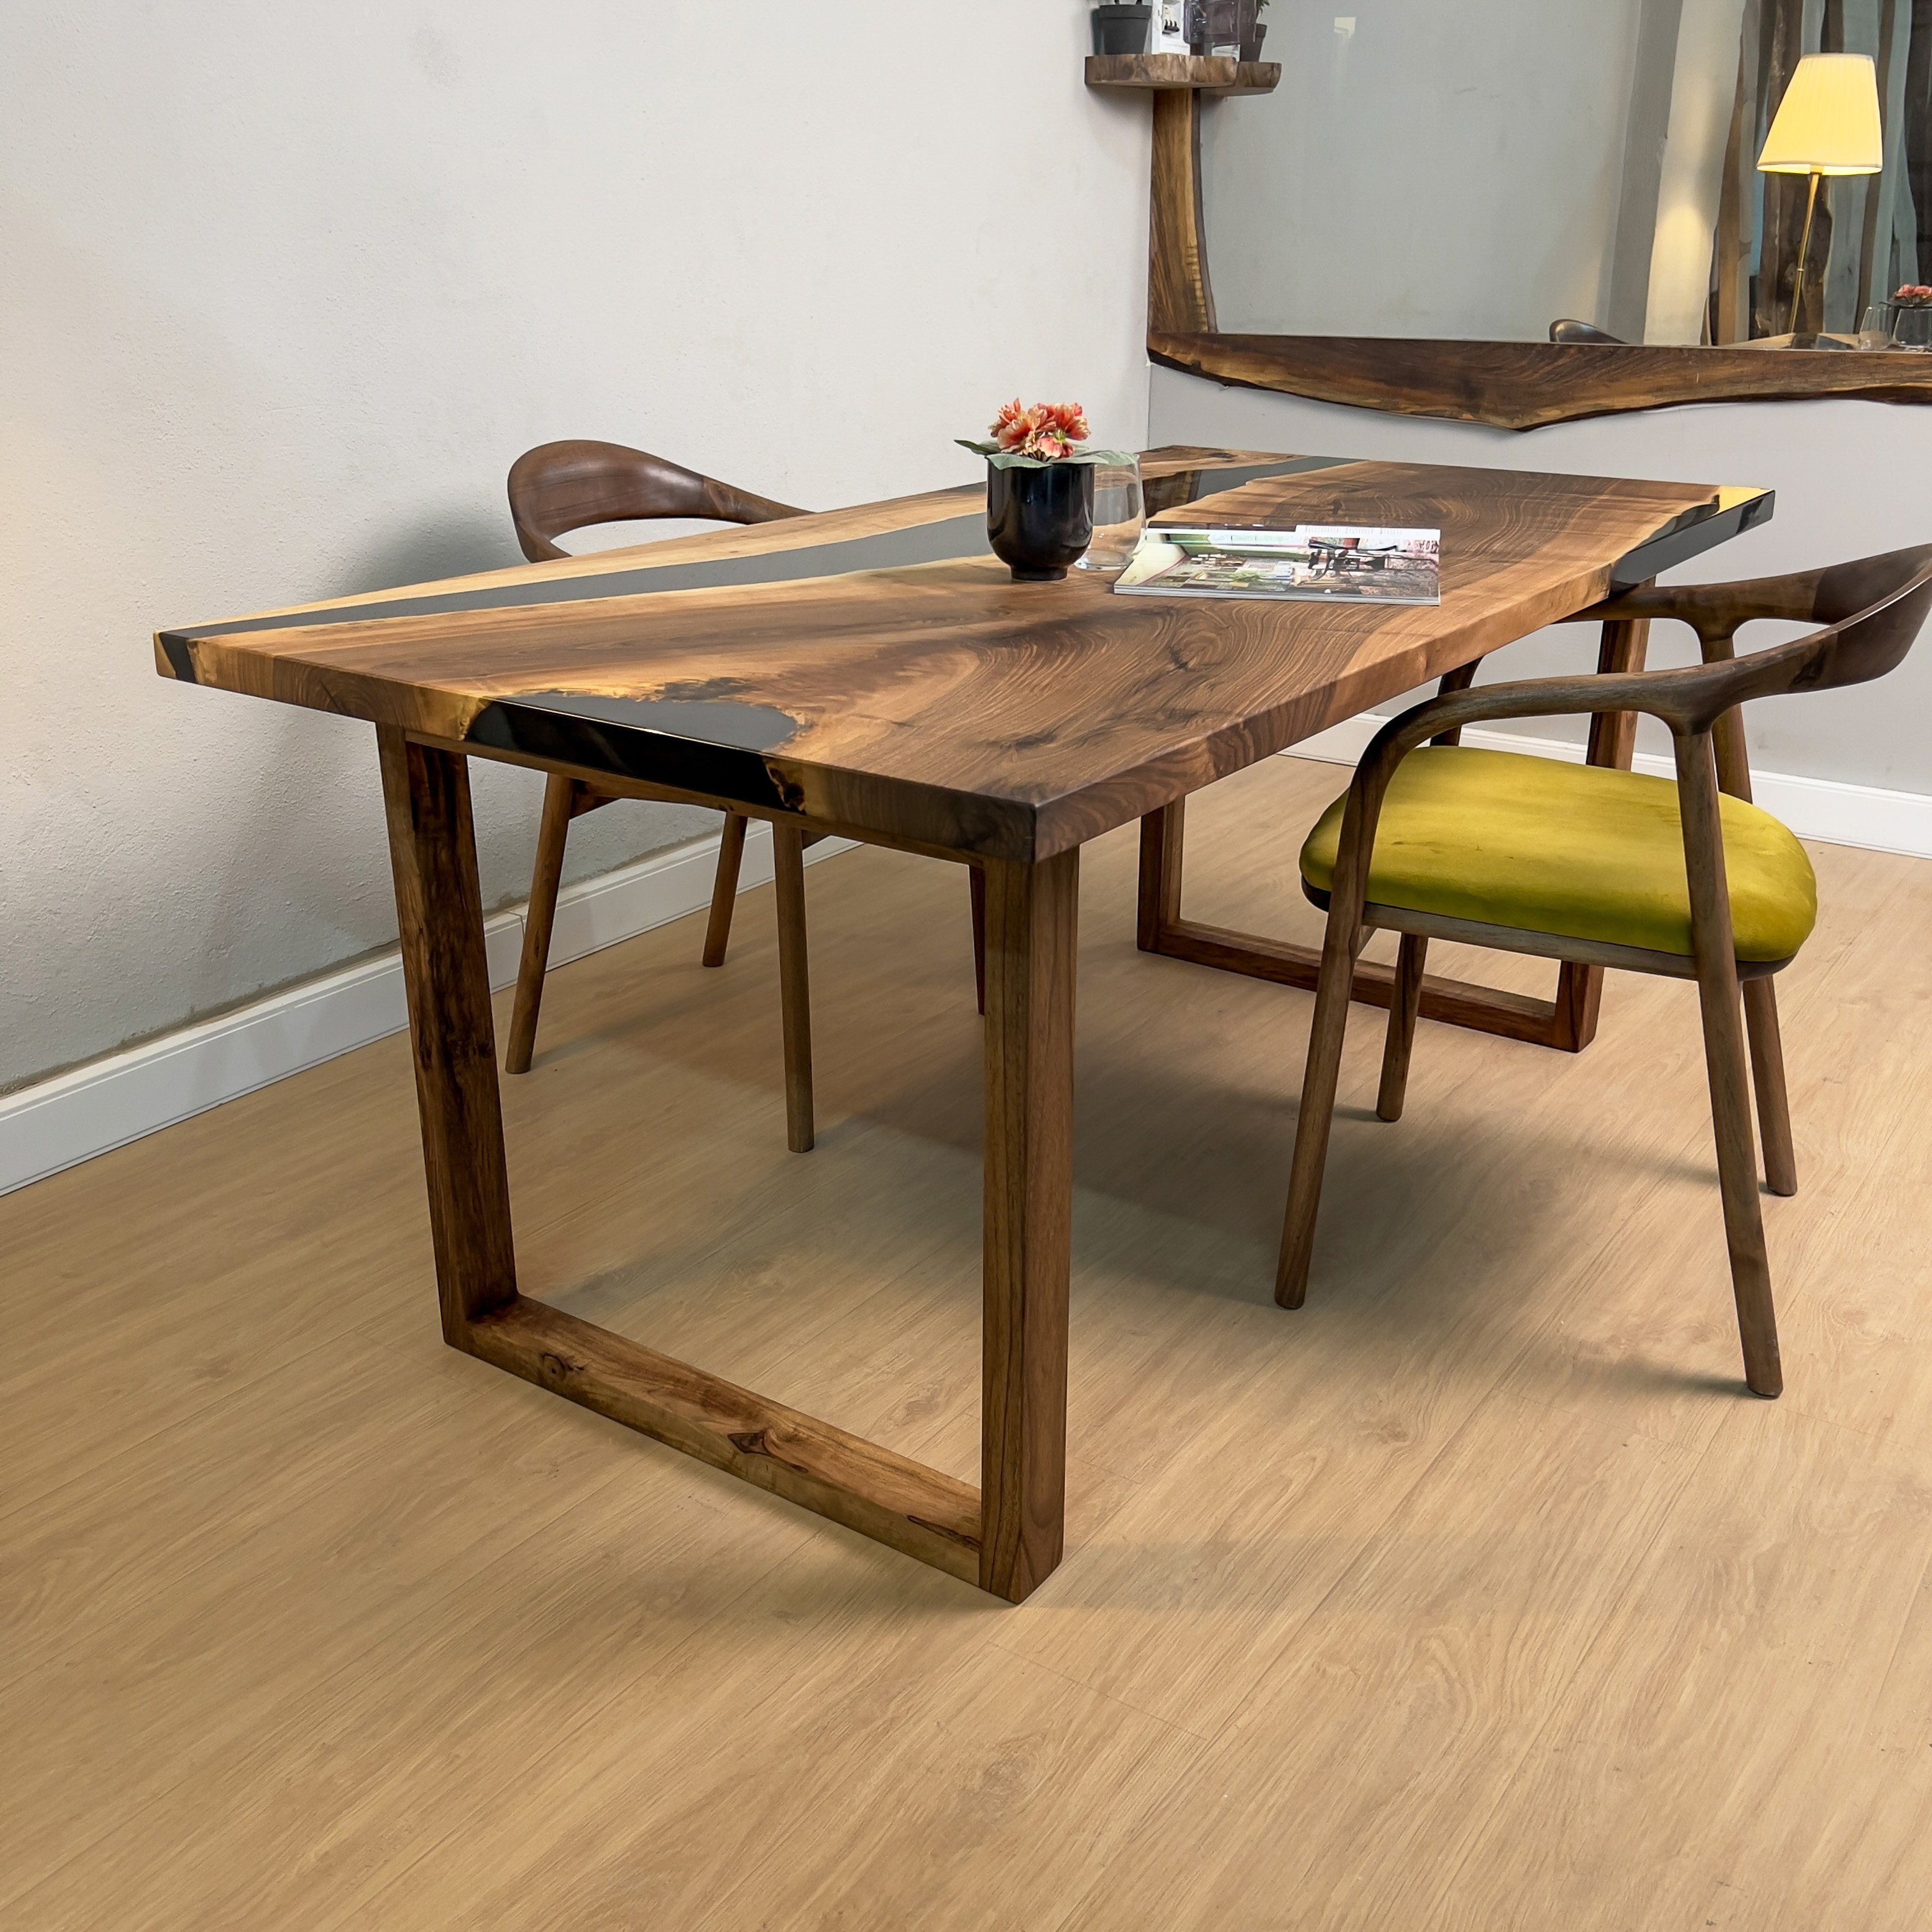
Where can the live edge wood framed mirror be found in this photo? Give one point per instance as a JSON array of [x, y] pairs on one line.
[[1518, 212]]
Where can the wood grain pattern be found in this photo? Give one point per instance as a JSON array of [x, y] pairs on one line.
[[1872, 610], [555, 489], [1719, 997], [1208, 74], [1163, 836], [1282, 962], [1180, 295], [918, 704], [439, 911], [1031, 942], [944, 705], [1567, 1022], [558, 487], [304, 1629], [1525, 385], [564, 799], [794, 985], [887, 1497], [1579, 984], [724, 888]]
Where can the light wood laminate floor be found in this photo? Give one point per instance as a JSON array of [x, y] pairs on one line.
[[1478, 1594]]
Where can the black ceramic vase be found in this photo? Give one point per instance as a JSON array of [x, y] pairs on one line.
[[1039, 521]]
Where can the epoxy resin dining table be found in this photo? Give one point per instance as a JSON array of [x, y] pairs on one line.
[[874, 673]]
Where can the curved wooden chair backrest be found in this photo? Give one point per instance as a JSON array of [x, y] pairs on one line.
[[1569, 329], [561, 487], [1873, 609]]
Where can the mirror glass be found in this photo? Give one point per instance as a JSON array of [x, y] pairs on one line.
[[1484, 169]]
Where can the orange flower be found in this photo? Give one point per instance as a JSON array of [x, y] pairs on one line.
[[1047, 431], [1013, 425], [1070, 419]]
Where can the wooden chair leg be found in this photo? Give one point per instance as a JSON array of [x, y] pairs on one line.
[[1725, 1062], [724, 890], [559, 804], [1774, 1104], [1403, 1007], [794, 985], [1332, 994], [977, 880]]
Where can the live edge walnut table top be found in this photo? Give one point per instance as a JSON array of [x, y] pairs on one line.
[[874, 672]]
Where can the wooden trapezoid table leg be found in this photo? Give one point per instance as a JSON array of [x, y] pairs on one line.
[[1568, 1022], [1456, 1002], [1007, 1543]]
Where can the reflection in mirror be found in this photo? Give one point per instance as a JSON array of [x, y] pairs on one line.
[[1489, 169]]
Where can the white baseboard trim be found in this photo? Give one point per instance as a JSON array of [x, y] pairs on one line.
[[1822, 808], [61, 1122]]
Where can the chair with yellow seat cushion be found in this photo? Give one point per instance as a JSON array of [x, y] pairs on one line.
[[1578, 852], [1605, 868]]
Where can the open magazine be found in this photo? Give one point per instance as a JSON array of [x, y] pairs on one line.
[[1324, 562]]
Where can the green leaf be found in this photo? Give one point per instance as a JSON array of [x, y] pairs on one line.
[[1011, 459]]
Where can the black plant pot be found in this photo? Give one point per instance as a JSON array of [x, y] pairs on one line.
[[1121, 30], [1039, 521], [1251, 47]]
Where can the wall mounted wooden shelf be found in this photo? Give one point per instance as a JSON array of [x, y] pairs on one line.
[[1511, 384], [1182, 74], [1179, 299], [1525, 385]]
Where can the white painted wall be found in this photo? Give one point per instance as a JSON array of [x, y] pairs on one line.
[[284, 288], [1851, 478]]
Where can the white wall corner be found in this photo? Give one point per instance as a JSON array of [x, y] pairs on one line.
[[59, 1122]]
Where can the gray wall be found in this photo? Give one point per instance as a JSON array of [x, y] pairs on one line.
[[1851, 477], [286, 287], [1443, 171]]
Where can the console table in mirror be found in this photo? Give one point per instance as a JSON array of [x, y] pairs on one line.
[[1517, 213]]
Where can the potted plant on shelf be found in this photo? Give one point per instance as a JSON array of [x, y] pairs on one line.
[[1039, 487], [1122, 30]]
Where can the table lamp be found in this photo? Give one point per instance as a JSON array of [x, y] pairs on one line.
[[1827, 124]]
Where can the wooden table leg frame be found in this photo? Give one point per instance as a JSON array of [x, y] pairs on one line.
[[1006, 1536], [1567, 1022]]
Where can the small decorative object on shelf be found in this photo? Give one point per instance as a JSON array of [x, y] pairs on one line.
[[1904, 321], [1214, 28], [1040, 488], [1122, 30], [1170, 27], [1253, 28], [1912, 317]]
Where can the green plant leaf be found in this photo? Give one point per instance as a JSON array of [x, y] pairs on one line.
[[1010, 459]]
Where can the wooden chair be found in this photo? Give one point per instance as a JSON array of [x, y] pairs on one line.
[[554, 489], [1575, 862], [561, 487]]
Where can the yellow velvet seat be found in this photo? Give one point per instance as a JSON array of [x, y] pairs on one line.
[[1574, 851]]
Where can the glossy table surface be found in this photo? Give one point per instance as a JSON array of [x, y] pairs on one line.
[[876, 669]]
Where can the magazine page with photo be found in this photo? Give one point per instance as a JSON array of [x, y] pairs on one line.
[[1311, 563]]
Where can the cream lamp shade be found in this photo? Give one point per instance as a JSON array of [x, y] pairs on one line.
[[1827, 122]]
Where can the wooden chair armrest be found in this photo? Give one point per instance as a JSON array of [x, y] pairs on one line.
[[1713, 610]]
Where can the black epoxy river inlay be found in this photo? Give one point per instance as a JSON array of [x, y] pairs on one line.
[[743, 728], [947, 542]]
